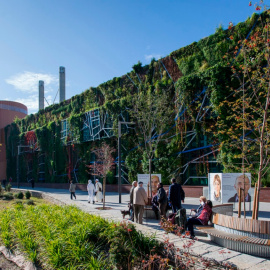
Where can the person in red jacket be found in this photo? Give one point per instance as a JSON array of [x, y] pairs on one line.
[[202, 219]]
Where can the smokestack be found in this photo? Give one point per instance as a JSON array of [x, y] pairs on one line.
[[41, 94], [62, 86]]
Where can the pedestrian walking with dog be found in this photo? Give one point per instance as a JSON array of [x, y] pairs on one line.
[[139, 201], [91, 191], [131, 194]]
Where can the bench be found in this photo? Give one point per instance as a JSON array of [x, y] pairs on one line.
[[243, 235], [246, 244]]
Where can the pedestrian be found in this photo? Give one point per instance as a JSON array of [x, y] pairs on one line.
[[4, 181], [131, 193], [202, 219], [32, 181], [139, 201], [72, 189], [162, 200], [91, 191], [176, 195], [98, 187], [200, 208], [155, 206]]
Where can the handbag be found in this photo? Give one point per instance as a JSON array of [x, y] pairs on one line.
[[99, 189], [171, 218]]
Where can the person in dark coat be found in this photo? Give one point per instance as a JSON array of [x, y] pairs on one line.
[[162, 200], [4, 181], [131, 208], [155, 206], [176, 195]]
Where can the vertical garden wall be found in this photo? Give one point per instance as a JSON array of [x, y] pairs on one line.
[[195, 79]]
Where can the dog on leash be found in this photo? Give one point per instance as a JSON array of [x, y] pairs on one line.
[[124, 213]]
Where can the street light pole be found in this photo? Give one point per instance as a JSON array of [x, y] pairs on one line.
[[119, 157]]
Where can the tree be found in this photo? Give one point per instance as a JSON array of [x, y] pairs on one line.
[[152, 111], [103, 164], [244, 128]]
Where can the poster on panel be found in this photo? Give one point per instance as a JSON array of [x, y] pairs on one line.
[[155, 179], [231, 182], [215, 187]]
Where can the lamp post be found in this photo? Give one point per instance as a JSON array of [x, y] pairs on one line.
[[119, 156]]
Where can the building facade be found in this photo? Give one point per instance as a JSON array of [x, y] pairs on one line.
[[9, 110]]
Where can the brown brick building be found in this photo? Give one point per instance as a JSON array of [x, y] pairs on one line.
[[8, 111]]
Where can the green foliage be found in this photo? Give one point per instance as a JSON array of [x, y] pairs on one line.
[[67, 238], [133, 165], [28, 194], [30, 202], [7, 196], [8, 187], [18, 202], [19, 195], [110, 178]]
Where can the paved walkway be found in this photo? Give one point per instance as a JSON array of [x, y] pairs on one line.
[[203, 246]]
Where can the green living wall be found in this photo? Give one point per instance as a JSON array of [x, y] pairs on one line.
[[196, 78]]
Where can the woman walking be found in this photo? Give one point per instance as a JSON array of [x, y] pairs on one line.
[[72, 189], [91, 191], [98, 187]]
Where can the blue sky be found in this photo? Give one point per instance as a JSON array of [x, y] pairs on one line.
[[96, 40]]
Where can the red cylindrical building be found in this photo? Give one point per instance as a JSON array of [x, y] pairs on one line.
[[8, 111]]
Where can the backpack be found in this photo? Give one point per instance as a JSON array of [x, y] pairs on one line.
[[171, 218], [182, 194], [181, 219]]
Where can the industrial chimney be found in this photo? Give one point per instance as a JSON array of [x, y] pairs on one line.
[[62, 84], [41, 94]]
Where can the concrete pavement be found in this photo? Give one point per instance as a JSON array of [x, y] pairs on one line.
[[203, 247]]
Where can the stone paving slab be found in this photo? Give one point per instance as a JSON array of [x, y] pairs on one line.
[[265, 265], [222, 254], [244, 261], [206, 249]]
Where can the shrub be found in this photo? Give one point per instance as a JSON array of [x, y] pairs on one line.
[[19, 195], [18, 202], [30, 202], [8, 196], [1, 189], [27, 194], [8, 187]]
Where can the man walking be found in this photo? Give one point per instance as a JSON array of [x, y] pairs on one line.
[[91, 190], [131, 194], [72, 188], [162, 200], [139, 201], [176, 195]]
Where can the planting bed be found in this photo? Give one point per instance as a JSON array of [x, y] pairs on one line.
[[64, 237]]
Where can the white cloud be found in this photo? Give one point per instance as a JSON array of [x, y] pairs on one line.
[[149, 57], [32, 102], [28, 81]]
